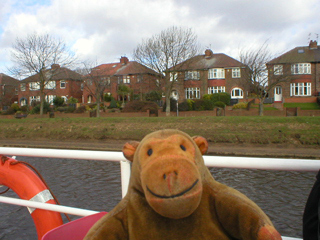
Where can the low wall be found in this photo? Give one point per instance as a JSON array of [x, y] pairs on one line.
[[227, 112]]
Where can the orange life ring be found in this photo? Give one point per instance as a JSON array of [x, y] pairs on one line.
[[27, 185]]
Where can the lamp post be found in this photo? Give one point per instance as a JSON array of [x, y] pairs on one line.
[[176, 97]]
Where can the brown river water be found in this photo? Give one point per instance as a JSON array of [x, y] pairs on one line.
[[95, 185]]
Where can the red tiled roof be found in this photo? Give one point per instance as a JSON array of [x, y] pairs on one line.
[[5, 79], [59, 73], [299, 55], [118, 69], [202, 62]]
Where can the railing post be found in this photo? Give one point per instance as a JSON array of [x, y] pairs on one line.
[[125, 176]]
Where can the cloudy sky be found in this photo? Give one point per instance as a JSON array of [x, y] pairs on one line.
[[105, 30]]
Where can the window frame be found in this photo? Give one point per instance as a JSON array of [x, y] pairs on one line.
[[63, 82], [300, 89], [216, 73], [192, 93], [233, 96], [236, 73], [216, 89], [278, 69], [192, 75], [300, 68]]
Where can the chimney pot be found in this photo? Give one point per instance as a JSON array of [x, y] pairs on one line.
[[208, 53], [124, 60], [55, 66], [313, 44]]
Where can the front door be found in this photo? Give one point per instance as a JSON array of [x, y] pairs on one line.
[[278, 94]]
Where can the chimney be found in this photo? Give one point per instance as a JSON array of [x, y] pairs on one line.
[[55, 66], [208, 53], [313, 44], [124, 60]]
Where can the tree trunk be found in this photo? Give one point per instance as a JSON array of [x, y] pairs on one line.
[[41, 103], [167, 105], [260, 107]]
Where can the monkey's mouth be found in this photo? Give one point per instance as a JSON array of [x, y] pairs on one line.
[[175, 195]]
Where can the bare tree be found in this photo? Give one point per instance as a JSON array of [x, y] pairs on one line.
[[163, 52], [256, 74], [35, 54], [95, 83]]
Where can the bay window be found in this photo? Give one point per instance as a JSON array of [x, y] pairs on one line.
[[300, 89], [217, 89], [216, 73]]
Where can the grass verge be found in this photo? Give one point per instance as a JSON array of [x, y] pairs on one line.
[[257, 130]]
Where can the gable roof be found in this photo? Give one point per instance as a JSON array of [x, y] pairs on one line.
[[207, 61], [7, 80], [118, 69], [59, 73], [304, 54]]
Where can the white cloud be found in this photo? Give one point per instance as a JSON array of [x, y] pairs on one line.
[[104, 30]]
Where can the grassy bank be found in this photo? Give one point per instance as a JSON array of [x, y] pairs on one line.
[[261, 130]]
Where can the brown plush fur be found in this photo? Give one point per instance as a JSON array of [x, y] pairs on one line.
[[172, 195]]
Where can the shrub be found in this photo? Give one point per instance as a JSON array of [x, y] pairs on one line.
[[241, 105], [58, 101], [80, 109], [219, 104], [318, 100], [173, 105], [184, 106], [208, 104], [36, 109], [113, 103], [221, 97], [15, 107], [140, 106], [199, 105], [190, 104], [72, 100], [66, 109], [107, 97], [9, 111], [24, 109], [153, 96], [207, 96]]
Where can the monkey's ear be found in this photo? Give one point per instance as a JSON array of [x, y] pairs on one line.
[[129, 149], [201, 143]]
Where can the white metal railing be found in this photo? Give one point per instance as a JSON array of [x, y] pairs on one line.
[[279, 164]]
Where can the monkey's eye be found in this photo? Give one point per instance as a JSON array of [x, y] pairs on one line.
[[150, 152], [183, 147]]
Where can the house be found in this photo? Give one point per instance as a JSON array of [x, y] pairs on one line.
[[139, 78], [301, 67], [8, 91], [207, 74], [60, 81]]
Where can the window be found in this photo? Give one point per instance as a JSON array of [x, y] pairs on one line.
[[62, 84], [33, 99], [50, 85], [216, 73], [192, 75], [301, 68], [22, 86], [236, 73], [140, 78], [237, 93], [23, 102], [173, 76], [49, 99], [126, 79], [300, 89], [278, 69], [218, 89], [192, 93], [34, 86]]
